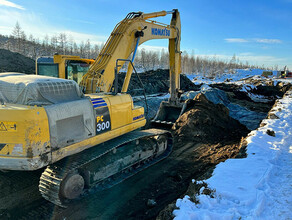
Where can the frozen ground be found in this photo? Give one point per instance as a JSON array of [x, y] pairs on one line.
[[240, 74], [255, 187]]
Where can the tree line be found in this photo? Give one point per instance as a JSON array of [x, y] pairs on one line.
[[145, 60], [60, 43]]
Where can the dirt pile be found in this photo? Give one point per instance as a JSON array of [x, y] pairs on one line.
[[155, 81], [15, 62], [205, 122]]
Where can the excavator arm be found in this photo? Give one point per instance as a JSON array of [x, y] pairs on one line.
[[131, 32]]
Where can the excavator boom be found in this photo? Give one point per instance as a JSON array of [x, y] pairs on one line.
[[131, 32]]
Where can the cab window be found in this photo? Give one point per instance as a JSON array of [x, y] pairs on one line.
[[75, 71], [48, 70]]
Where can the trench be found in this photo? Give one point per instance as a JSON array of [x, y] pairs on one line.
[[150, 194]]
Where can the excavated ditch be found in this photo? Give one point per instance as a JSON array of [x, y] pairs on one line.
[[203, 136]]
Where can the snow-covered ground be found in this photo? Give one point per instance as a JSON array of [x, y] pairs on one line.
[[255, 187], [239, 74]]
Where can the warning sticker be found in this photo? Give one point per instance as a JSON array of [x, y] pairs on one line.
[[7, 126]]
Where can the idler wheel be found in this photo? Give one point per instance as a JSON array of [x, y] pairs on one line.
[[72, 186]]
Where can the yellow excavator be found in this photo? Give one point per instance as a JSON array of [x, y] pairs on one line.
[[91, 140]]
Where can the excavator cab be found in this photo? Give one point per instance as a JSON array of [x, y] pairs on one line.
[[63, 66]]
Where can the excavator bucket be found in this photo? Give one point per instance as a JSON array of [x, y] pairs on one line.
[[168, 113]]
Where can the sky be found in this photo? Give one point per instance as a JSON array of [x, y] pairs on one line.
[[257, 31]]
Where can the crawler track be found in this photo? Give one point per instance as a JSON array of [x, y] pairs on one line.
[[52, 177]]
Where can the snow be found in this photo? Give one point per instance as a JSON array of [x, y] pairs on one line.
[[255, 187], [256, 98], [240, 74]]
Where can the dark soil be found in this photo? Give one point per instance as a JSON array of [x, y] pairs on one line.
[[15, 62], [155, 82], [205, 122]]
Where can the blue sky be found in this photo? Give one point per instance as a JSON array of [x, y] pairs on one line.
[[257, 31]]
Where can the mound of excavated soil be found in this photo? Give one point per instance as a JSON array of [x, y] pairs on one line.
[[205, 122], [156, 81], [15, 62]]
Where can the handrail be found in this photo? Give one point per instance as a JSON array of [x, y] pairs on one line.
[[116, 80]]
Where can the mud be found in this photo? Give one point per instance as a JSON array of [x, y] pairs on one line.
[[15, 62]]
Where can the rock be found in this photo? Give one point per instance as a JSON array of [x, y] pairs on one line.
[[271, 132], [206, 191], [272, 116]]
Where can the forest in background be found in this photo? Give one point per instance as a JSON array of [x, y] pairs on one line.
[[145, 60]]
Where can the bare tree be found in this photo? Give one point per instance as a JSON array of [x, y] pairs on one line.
[[33, 50], [82, 49], [62, 43], [54, 43], [153, 58], [75, 49], [164, 59], [16, 33], [96, 50], [87, 49], [70, 45], [46, 46], [23, 43]]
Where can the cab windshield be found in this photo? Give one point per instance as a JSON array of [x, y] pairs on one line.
[[76, 70]]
